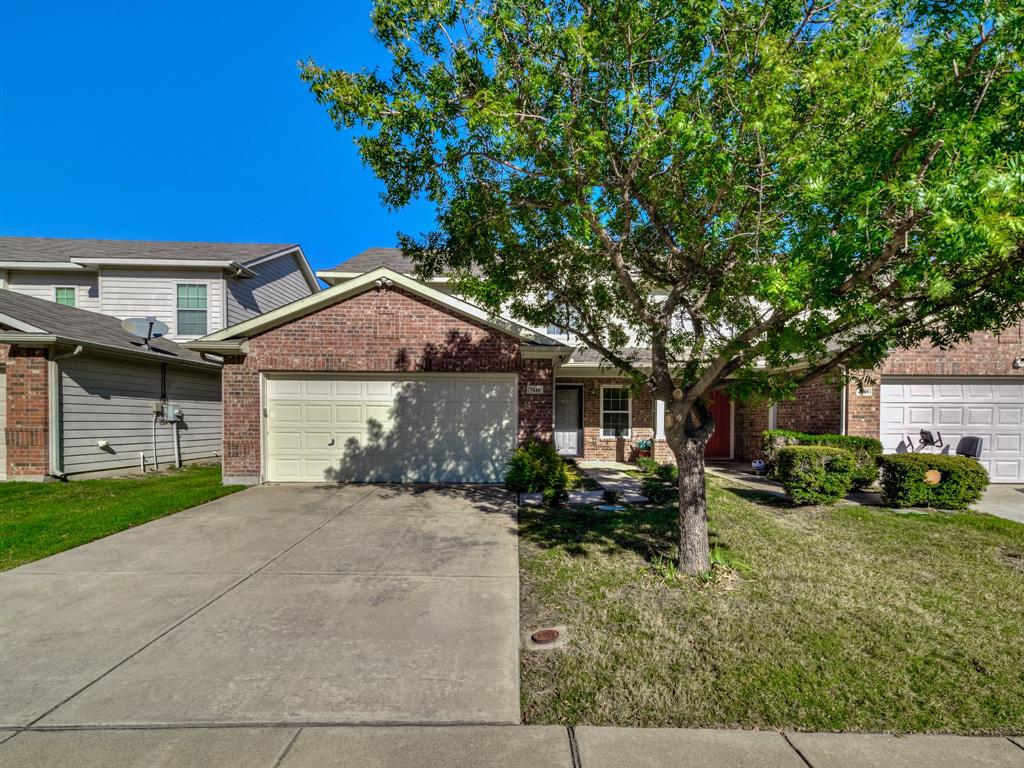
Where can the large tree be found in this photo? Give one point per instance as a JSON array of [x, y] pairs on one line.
[[759, 192]]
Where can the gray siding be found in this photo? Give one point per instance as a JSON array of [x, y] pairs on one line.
[[278, 281], [109, 399]]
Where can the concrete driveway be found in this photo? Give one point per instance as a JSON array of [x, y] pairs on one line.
[[286, 604], [1003, 501]]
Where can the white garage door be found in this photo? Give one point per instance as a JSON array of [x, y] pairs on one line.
[[436, 429], [990, 409]]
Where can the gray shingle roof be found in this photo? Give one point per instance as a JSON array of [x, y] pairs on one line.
[[372, 258], [586, 356], [79, 325], [53, 249]]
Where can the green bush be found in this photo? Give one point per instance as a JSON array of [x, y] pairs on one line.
[[554, 497], [815, 474], [962, 480], [536, 466], [669, 473], [658, 491], [865, 451], [647, 465]]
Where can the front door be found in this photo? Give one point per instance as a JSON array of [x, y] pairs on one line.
[[568, 429]]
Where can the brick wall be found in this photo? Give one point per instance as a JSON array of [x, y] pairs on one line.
[[28, 414], [985, 354], [536, 409], [378, 331], [613, 449], [816, 408]]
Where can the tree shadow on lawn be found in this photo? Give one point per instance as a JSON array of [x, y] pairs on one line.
[[648, 532]]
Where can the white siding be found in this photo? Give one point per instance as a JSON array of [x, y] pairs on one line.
[[278, 281], [41, 285], [109, 399], [142, 292]]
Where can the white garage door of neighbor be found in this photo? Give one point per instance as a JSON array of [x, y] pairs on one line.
[[436, 429], [990, 409]]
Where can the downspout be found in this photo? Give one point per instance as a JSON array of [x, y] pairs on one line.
[[56, 411], [842, 402]]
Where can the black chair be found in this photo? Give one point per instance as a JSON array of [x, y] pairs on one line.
[[969, 446]]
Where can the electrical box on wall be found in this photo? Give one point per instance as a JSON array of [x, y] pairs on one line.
[[172, 412]]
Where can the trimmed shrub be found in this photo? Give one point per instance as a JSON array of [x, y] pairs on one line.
[[865, 451], [536, 466], [669, 473], [815, 474], [647, 465], [962, 480], [657, 491], [555, 497]]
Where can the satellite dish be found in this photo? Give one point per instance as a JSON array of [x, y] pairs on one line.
[[145, 328]]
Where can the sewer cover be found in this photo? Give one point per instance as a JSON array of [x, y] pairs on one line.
[[544, 636]]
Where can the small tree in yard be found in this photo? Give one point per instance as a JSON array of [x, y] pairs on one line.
[[760, 192]]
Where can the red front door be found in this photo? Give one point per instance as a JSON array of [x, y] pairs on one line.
[[718, 446]]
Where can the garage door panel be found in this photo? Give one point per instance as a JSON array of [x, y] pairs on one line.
[[437, 429], [980, 416], [1010, 417], [920, 416], [282, 440], [991, 410], [286, 413]]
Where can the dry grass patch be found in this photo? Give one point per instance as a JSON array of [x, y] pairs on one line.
[[850, 618]]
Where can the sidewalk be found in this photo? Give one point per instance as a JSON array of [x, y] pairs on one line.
[[481, 746]]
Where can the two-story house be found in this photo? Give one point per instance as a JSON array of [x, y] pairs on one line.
[[79, 394], [195, 288], [386, 377]]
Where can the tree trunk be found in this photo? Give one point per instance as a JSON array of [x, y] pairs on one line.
[[694, 553], [687, 434]]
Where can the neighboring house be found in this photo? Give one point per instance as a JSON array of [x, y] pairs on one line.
[[195, 288], [77, 394]]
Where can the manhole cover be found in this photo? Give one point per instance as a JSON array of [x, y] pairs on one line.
[[544, 636]]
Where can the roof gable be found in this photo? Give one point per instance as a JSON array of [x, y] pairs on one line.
[[377, 278]]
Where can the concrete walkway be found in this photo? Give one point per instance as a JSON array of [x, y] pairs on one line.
[[611, 477], [271, 746], [287, 604]]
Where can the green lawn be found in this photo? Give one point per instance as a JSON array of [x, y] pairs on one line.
[[848, 618], [40, 519]]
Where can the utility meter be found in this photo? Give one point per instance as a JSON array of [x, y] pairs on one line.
[[172, 412]]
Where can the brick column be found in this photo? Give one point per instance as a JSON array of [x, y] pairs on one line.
[[28, 415], [240, 382], [537, 409]]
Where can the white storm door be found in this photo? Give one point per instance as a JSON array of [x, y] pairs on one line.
[[567, 420]]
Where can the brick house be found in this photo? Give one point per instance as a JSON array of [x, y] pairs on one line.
[[385, 377]]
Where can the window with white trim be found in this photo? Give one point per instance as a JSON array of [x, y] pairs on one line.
[[614, 412], [64, 294], [193, 309]]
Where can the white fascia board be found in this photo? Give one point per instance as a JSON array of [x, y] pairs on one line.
[[197, 263], [216, 347], [41, 265], [19, 325], [366, 282], [333, 277]]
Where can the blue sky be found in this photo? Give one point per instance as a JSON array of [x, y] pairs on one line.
[[185, 121]]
